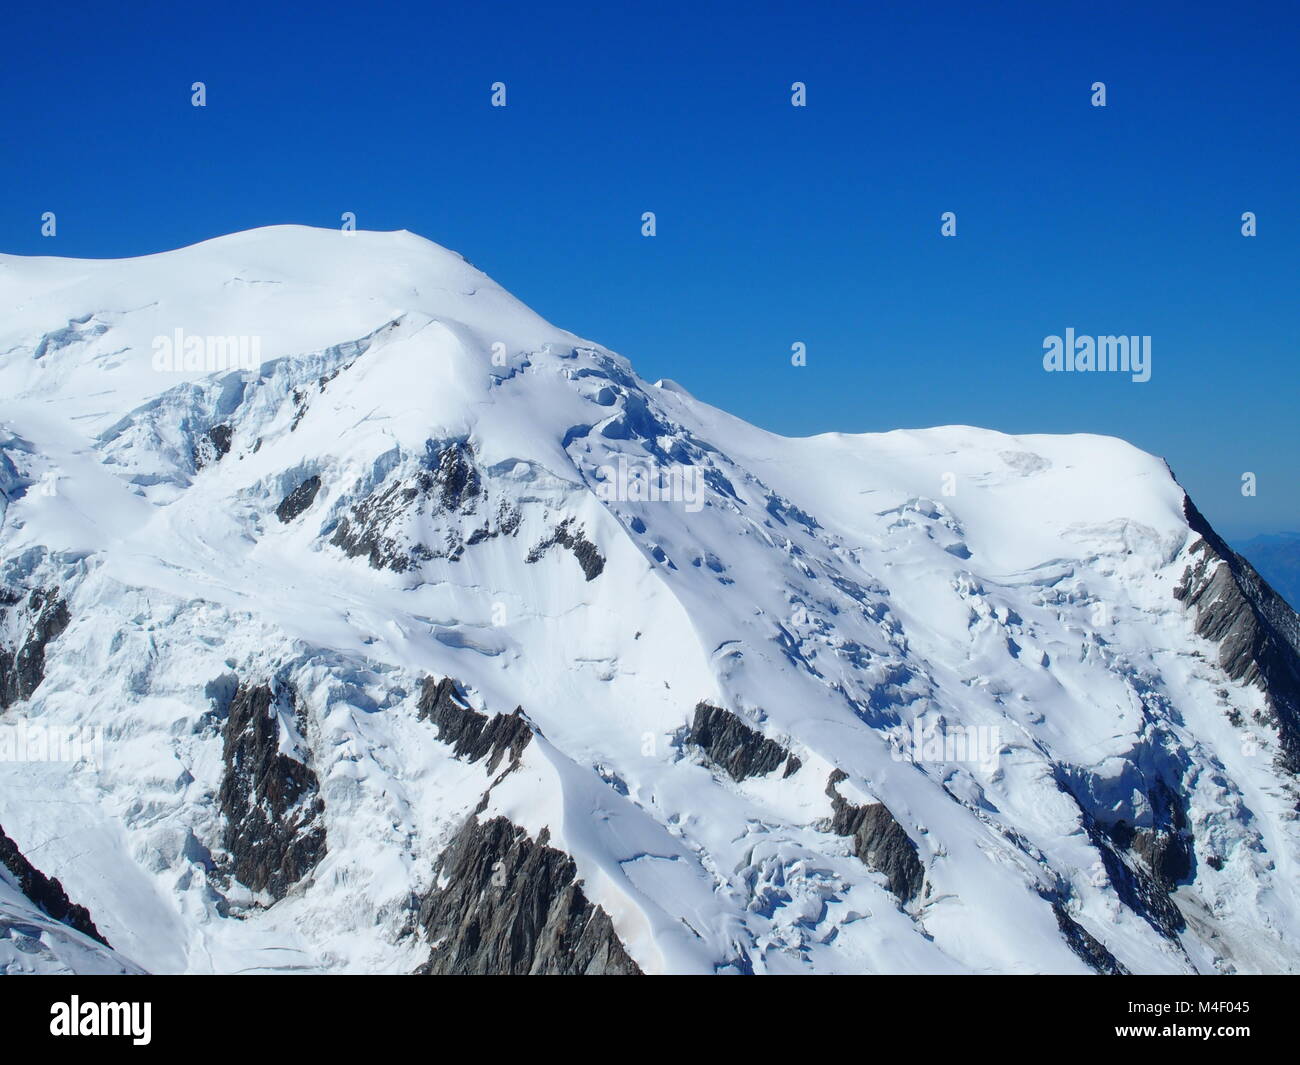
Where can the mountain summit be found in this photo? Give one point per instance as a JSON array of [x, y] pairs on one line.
[[354, 618]]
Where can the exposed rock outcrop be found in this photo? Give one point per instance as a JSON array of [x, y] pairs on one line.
[[508, 904], [1257, 631], [572, 537], [1167, 855], [46, 892], [364, 532], [470, 734], [737, 748], [274, 829], [298, 500], [1086, 946], [456, 480], [879, 841], [1144, 858], [1144, 892], [213, 446], [390, 527], [38, 622]]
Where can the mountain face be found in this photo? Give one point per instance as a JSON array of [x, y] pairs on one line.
[[42, 931], [354, 618]]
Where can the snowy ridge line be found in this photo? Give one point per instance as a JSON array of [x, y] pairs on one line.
[[973, 702]]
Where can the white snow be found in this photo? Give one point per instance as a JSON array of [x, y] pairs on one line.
[[831, 591]]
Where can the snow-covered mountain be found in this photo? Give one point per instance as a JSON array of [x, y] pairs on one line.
[[429, 637]]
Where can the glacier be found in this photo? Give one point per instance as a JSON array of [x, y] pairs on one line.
[[387, 679]]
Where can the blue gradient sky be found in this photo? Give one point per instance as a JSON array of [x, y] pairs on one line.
[[776, 224]]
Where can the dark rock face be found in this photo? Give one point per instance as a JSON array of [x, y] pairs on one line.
[[274, 832], [213, 446], [470, 734], [879, 841], [1168, 855], [512, 905], [365, 531], [1141, 890], [1086, 946], [45, 892], [1257, 632], [221, 435], [298, 500], [455, 476], [567, 536], [1166, 846], [736, 747], [509, 904], [1145, 862], [385, 526], [44, 618]]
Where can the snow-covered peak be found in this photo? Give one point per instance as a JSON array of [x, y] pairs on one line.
[[939, 699]]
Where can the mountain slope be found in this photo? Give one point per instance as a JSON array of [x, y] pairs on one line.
[[41, 929], [393, 601]]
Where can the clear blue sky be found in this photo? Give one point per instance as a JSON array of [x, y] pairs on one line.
[[776, 224]]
